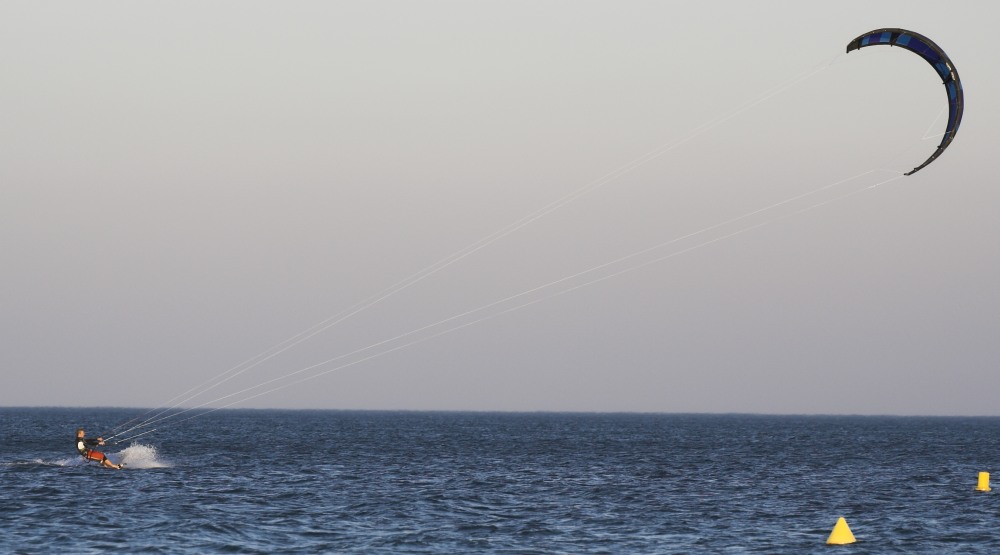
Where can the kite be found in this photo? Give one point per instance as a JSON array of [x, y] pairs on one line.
[[928, 50]]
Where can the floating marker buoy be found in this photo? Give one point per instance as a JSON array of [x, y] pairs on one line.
[[841, 533], [984, 482]]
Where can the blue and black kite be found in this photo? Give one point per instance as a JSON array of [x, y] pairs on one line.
[[926, 49]]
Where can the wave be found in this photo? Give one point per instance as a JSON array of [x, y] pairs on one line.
[[68, 461], [134, 456]]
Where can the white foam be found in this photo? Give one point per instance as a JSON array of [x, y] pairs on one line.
[[139, 455]]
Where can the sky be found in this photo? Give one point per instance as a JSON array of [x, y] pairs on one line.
[[713, 223]]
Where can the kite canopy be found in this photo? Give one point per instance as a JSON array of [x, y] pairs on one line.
[[928, 50]]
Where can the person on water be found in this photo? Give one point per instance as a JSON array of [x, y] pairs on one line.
[[84, 446]]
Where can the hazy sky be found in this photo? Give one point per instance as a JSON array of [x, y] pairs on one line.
[[186, 184]]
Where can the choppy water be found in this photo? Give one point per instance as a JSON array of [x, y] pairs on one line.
[[382, 482]]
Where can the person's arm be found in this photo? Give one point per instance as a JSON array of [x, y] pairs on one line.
[[91, 442]]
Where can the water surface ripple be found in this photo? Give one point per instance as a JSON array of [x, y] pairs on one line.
[[241, 481]]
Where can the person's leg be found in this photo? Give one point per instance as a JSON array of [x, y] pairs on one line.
[[110, 464]]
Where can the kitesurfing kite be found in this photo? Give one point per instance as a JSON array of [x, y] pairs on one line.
[[928, 50]]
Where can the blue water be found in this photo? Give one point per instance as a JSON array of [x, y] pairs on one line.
[[386, 482]]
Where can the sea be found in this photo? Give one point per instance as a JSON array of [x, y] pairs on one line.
[[277, 481]]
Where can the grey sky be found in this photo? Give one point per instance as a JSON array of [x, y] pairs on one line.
[[185, 184]]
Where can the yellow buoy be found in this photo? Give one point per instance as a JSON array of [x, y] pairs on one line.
[[984, 482], [841, 533]]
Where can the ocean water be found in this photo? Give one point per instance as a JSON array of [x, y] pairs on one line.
[[242, 481]]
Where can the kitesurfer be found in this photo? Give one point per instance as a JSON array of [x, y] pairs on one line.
[[84, 446]]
